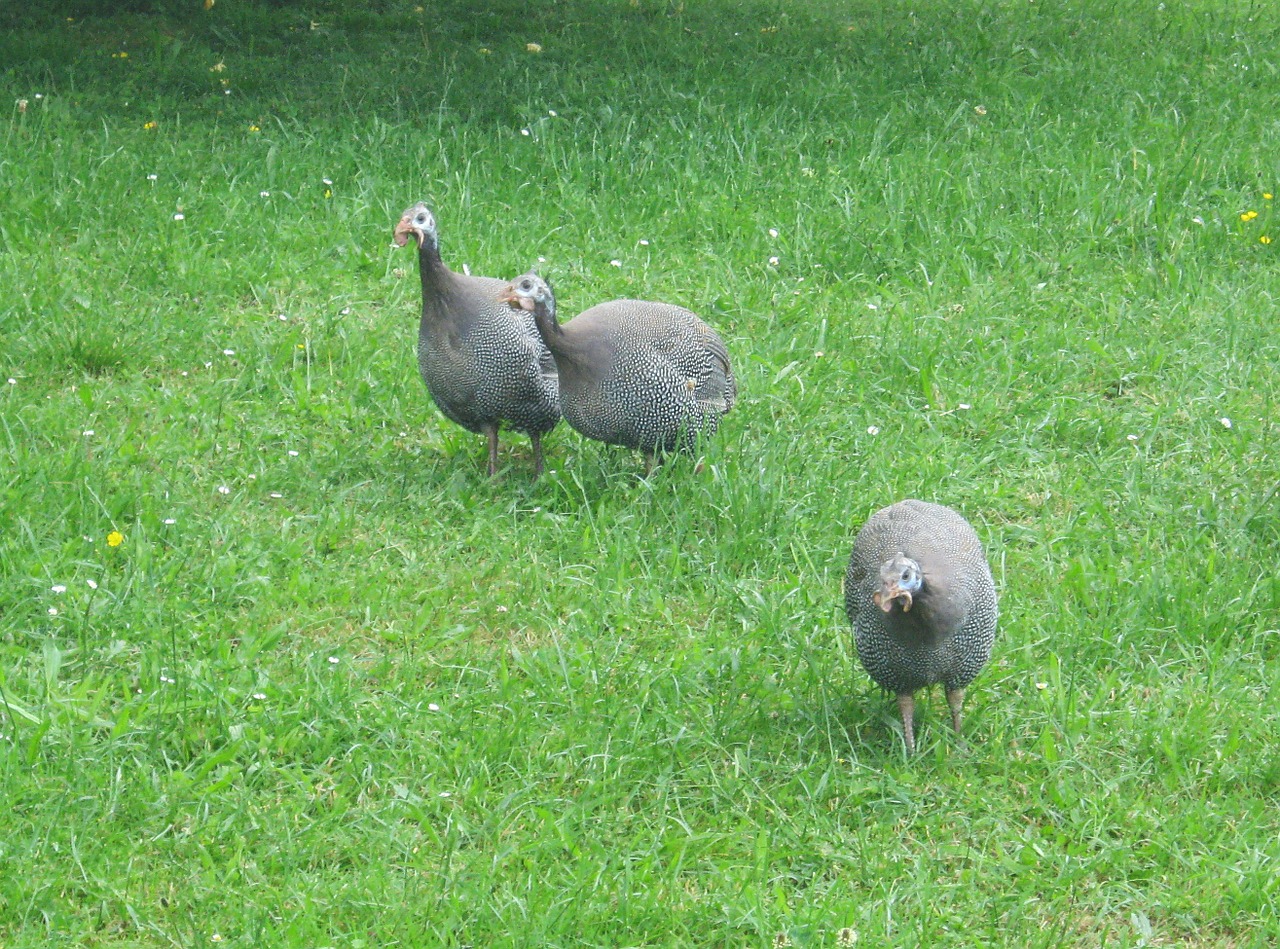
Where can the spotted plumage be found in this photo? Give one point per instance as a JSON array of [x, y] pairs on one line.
[[484, 365], [647, 376], [922, 602]]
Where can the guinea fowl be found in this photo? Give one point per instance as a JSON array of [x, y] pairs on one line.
[[922, 603], [648, 376], [484, 365]]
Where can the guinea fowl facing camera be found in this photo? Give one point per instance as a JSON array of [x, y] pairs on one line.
[[922, 603], [647, 376], [484, 365]]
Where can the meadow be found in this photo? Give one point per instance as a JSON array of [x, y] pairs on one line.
[[281, 666]]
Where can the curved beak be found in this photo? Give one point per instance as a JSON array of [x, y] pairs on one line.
[[892, 593], [404, 230], [510, 297]]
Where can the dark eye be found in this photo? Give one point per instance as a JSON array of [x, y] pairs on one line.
[[420, 219], [526, 284], [906, 574]]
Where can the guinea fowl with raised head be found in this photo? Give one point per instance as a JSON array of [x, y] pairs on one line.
[[484, 365], [922, 602], [646, 376]]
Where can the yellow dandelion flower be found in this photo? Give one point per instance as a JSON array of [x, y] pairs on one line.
[[115, 539], [1248, 215], [1267, 196], [1264, 239], [533, 47], [254, 128], [149, 125]]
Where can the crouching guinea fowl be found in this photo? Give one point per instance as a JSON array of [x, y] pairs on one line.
[[922, 603], [484, 365], [647, 376]]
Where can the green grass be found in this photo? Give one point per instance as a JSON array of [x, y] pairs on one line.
[[337, 688]]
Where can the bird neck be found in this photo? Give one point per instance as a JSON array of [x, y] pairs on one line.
[[430, 265], [439, 289], [928, 621], [549, 327]]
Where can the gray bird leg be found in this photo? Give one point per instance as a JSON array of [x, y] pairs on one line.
[[537, 454], [955, 699], [492, 432], [907, 709]]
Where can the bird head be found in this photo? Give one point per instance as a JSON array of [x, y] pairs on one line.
[[900, 581], [528, 293], [417, 221]]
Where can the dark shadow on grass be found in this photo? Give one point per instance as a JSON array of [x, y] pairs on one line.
[[77, 354], [478, 63]]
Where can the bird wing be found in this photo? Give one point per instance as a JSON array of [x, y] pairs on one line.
[[700, 356]]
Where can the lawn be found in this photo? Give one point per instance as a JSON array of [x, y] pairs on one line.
[[281, 666]]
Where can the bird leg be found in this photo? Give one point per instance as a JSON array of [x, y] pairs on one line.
[[537, 454], [907, 709], [955, 699], [651, 461], [492, 432]]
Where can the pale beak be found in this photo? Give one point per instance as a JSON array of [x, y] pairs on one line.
[[886, 598], [510, 296], [404, 229]]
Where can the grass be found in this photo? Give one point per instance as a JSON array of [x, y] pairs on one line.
[[337, 688]]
